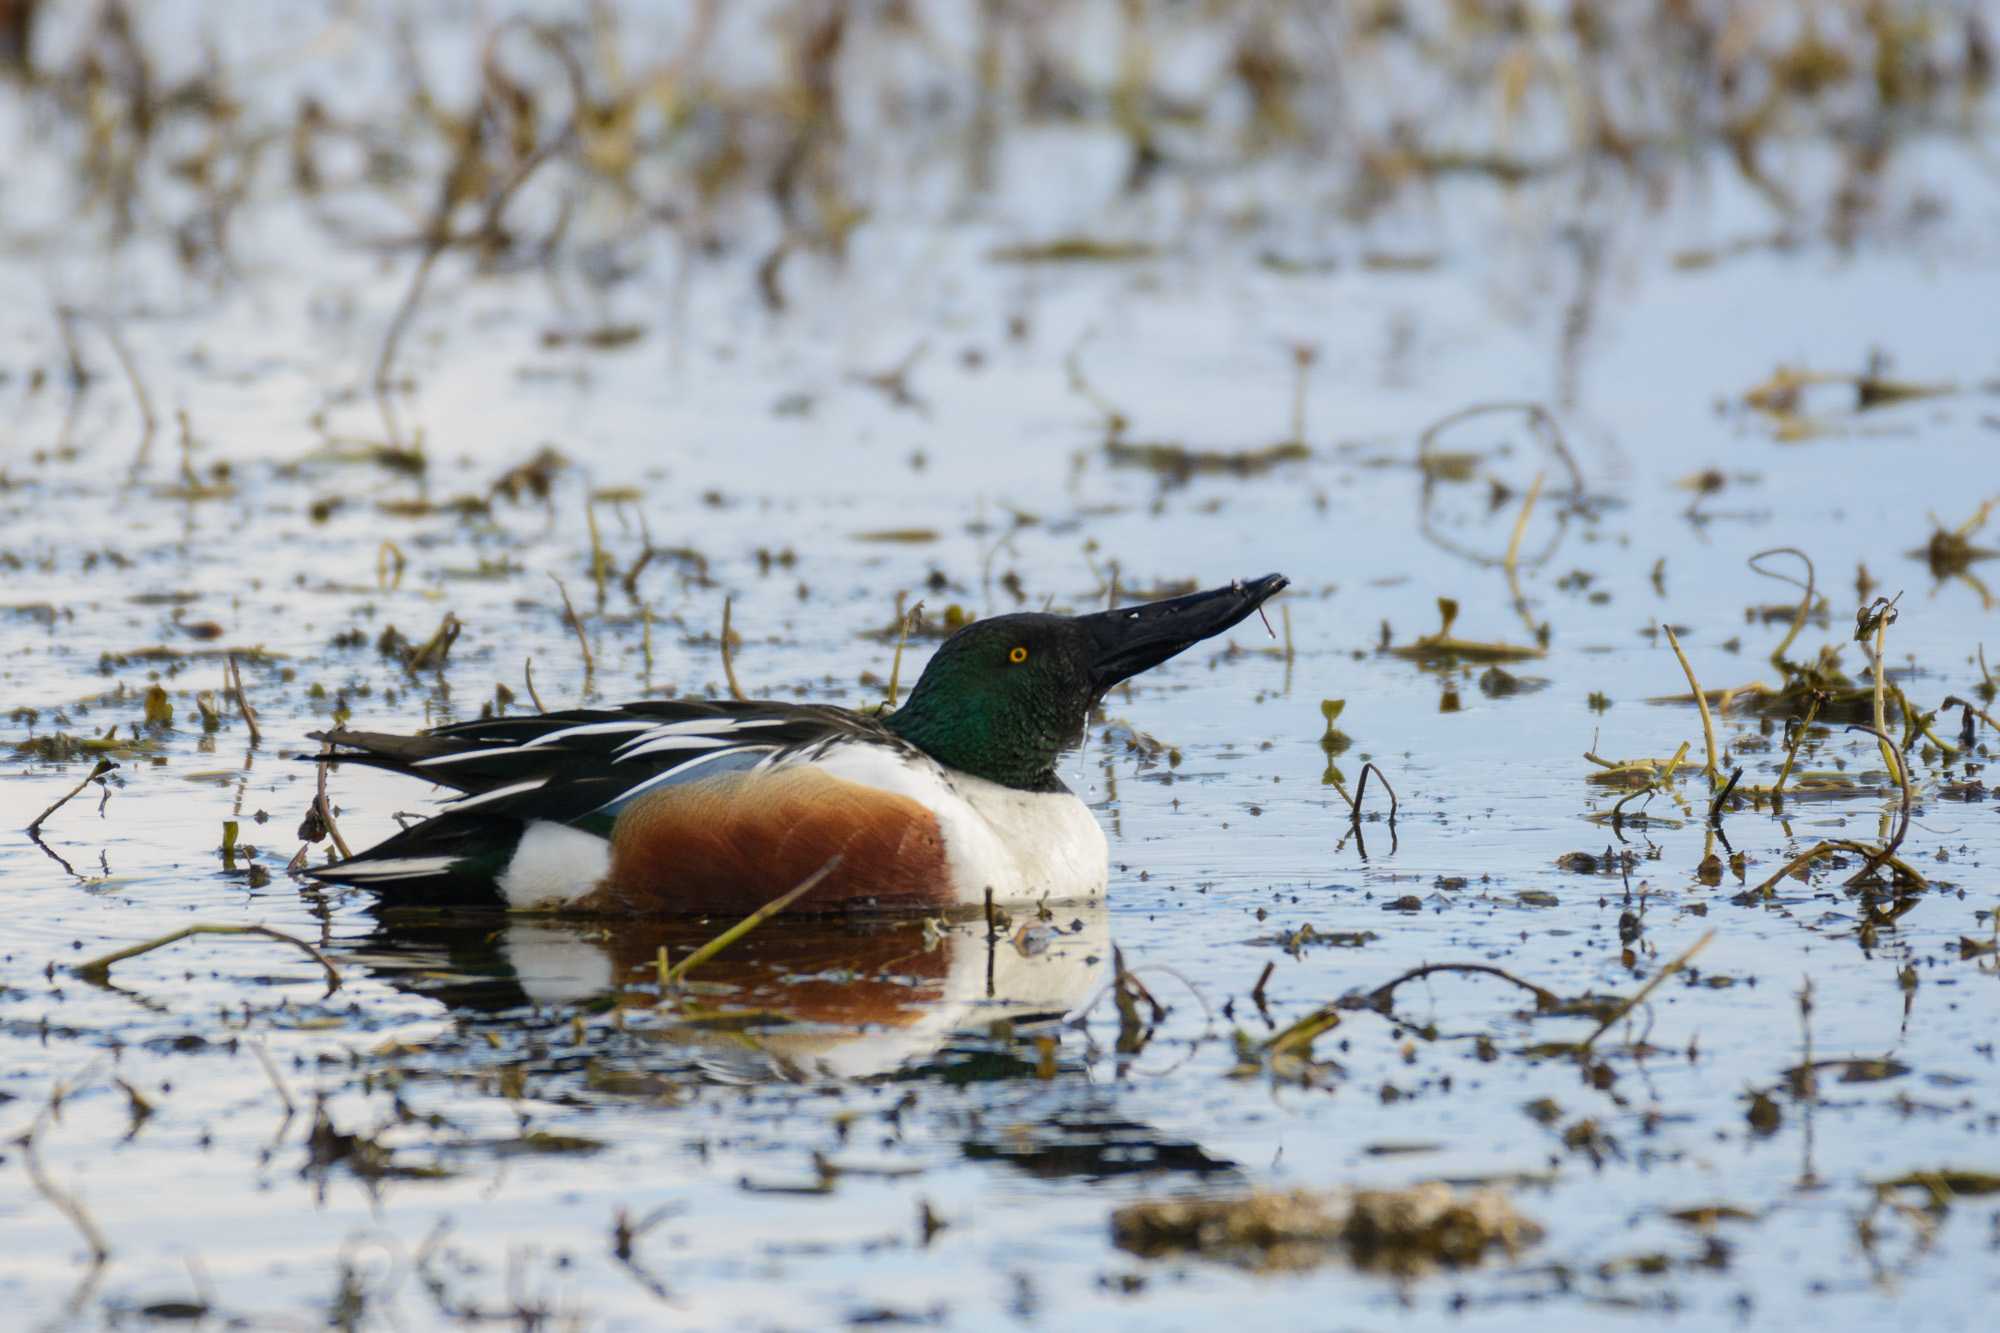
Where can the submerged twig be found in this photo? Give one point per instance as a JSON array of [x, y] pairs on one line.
[[233, 689], [1378, 999], [1971, 710], [98, 969], [1715, 806], [1263, 979], [1361, 790], [1125, 993], [1888, 852], [1877, 857], [1813, 702], [66, 1204], [1639, 997], [748, 924], [103, 766], [323, 808], [1830, 848], [257, 1049], [1918, 724]]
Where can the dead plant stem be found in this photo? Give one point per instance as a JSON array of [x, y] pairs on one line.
[[749, 923], [99, 969], [1701, 700], [1639, 998], [582, 639], [728, 662], [233, 682], [102, 767]]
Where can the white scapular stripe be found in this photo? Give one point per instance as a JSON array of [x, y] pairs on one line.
[[398, 867], [581, 729], [467, 802], [585, 729], [462, 754], [647, 737], [697, 726], [677, 770], [718, 730], [666, 743]]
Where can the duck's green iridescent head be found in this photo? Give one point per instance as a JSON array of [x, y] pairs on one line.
[[1003, 698]]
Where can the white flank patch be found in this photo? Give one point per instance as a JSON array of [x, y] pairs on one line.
[[396, 867], [553, 867]]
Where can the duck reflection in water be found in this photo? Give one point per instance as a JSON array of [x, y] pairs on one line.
[[797, 998]]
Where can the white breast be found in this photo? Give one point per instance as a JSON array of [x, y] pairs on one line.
[[1024, 846]]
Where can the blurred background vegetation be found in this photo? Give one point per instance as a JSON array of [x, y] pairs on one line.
[[774, 132]]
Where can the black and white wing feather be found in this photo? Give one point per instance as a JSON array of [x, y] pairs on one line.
[[578, 767], [567, 765]]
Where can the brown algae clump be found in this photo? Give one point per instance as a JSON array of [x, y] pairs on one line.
[[1405, 1231]]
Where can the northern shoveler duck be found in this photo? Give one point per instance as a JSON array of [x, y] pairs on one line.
[[719, 806]]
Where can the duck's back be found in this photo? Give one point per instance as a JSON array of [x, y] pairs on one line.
[[711, 806]]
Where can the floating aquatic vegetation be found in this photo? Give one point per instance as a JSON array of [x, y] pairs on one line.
[[1787, 399], [1407, 1232], [1333, 740], [1442, 648], [1073, 250], [1178, 462], [1951, 554]]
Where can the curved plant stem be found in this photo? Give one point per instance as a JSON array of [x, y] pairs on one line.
[[1701, 701], [98, 969], [673, 975]]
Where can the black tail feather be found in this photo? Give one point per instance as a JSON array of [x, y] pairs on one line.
[[406, 755], [450, 860]]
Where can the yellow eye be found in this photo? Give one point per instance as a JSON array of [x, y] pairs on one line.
[[1017, 655]]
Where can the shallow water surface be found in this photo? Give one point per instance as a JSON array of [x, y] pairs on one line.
[[880, 1121]]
